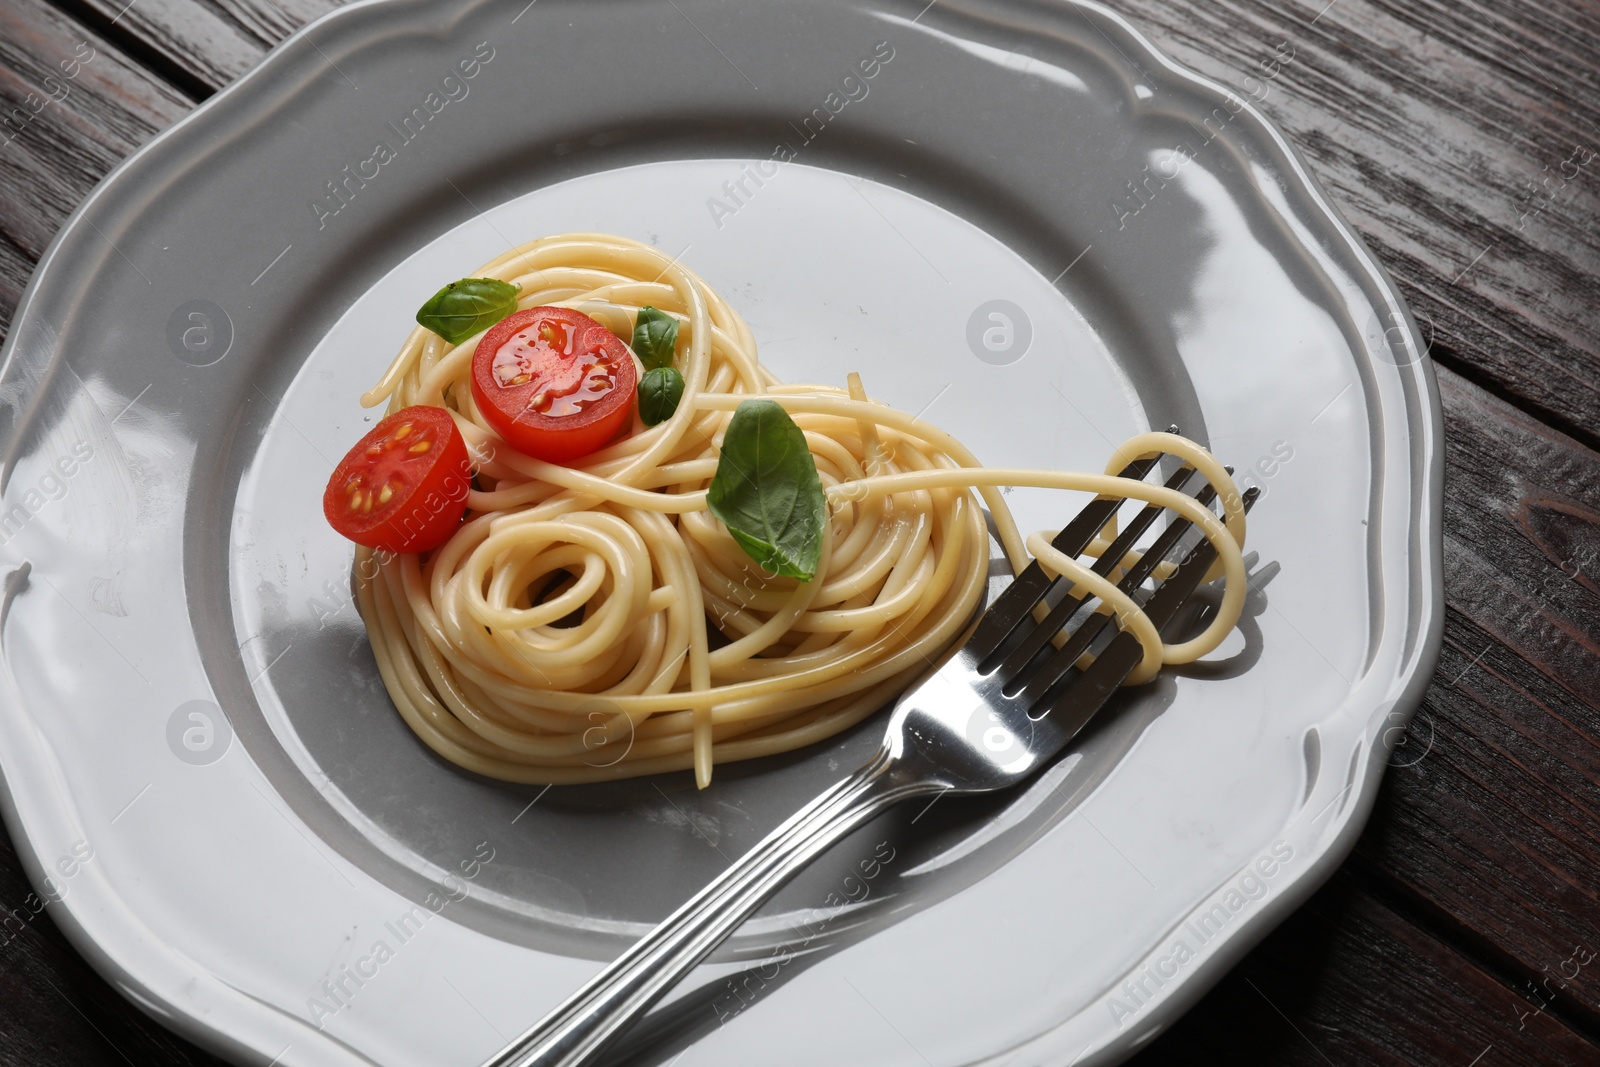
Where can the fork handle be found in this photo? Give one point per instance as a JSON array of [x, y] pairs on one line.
[[577, 1031]]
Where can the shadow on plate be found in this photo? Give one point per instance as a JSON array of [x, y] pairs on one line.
[[585, 870]]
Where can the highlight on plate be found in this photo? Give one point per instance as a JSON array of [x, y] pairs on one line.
[[598, 539]]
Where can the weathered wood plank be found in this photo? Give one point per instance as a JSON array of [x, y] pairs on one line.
[[198, 37], [214, 40], [1434, 125], [1494, 815], [76, 108], [1380, 992], [15, 268], [1426, 121]]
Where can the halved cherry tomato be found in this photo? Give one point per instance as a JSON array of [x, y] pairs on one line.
[[553, 382], [403, 487]]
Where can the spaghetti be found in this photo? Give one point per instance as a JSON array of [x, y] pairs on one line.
[[594, 621]]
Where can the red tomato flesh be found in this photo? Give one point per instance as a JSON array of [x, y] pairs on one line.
[[403, 487], [553, 382]]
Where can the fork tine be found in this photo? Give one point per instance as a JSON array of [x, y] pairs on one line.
[[1062, 659], [1081, 697], [1035, 640], [1018, 599]]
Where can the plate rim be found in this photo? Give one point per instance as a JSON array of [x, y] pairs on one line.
[[1424, 527]]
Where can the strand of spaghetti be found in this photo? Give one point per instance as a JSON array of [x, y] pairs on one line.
[[866, 661], [1229, 555], [580, 481], [1106, 485], [615, 655]]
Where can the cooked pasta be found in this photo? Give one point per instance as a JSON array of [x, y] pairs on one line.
[[593, 620]]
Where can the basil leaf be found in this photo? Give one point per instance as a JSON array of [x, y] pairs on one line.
[[467, 307], [659, 392], [766, 490], [655, 337]]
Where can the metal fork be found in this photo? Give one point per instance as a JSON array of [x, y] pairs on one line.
[[999, 705]]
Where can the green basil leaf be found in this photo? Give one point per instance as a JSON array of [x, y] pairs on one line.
[[766, 490], [659, 392], [655, 338], [467, 307]]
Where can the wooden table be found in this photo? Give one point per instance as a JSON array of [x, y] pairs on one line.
[[1460, 138]]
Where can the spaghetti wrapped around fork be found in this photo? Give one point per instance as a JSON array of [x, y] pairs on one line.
[[594, 620]]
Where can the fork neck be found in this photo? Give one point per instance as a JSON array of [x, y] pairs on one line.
[[873, 788]]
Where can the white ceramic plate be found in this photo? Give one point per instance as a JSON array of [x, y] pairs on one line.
[[1023, 221]]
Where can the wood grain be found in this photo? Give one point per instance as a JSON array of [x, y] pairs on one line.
[[78, 126], [1347, 980], [1493, 820], [1432, 125], [214, 41], [202, 39]]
